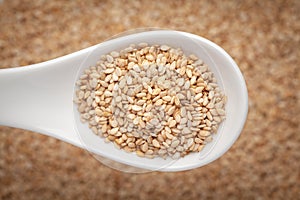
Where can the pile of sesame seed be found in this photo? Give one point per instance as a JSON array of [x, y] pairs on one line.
[[152, 100]]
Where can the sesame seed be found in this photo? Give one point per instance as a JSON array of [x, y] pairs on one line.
[[152, 100]]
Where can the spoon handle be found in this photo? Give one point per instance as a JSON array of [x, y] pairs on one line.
[[39, 97]]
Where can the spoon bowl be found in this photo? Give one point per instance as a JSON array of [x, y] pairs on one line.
[[40, 98]]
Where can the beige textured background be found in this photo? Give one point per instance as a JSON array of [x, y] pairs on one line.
[[262, 36]]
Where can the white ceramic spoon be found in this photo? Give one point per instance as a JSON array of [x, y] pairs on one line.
[[39, 98]]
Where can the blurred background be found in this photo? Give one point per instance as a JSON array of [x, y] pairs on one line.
[[263, 37]]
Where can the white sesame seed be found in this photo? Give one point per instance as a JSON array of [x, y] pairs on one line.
[[147, 97]]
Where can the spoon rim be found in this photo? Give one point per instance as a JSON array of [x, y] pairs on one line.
[[234, 137]]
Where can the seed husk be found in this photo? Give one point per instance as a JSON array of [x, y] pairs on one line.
[[144, 147], [204, 133], [136, 108], [172, 123], [155, 143]]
